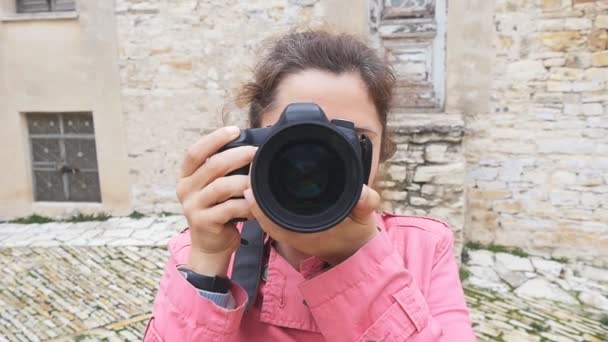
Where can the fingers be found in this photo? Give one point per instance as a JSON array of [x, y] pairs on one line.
[[207, 146], [214, 218], [253, 206], [219, 165], [222, 189], [368, 203]]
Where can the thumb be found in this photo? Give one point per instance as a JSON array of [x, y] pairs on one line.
[[367, 205]]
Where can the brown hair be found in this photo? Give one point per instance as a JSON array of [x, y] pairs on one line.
[[336, 53]]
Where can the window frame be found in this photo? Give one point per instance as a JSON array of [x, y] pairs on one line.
[[391, 26], [61, 138], [52, 7]]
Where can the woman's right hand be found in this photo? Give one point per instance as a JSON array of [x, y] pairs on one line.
[[210, 199]]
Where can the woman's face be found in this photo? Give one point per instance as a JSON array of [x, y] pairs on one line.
[[341, 96]]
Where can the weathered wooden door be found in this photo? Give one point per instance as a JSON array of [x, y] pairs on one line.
[[411, 33]]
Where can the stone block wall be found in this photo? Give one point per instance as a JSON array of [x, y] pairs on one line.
[[537, 174], [524, 165], [180, 65], [426, 175]]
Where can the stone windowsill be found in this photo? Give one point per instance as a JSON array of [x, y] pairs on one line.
[[40, 16], [431, 122]]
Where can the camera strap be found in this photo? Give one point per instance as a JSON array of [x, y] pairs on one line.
[[248, 260]]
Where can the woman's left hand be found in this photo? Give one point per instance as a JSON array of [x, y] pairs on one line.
[[335, 244]]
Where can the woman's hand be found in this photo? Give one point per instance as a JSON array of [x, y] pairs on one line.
[[335, 244], [210, 199]]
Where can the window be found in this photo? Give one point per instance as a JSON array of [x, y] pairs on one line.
[[33, 6], [411, 33], [64, 158]]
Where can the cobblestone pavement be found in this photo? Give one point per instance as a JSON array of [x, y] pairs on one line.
[[59, 286], [116, 231], [528, 298], [72, 292]]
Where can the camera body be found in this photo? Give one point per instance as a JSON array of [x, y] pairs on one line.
[[308, 172]]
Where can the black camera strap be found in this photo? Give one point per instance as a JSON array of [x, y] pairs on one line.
[[248, 260]]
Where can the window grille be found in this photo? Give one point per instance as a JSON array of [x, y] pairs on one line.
[[64, 157], [33, 6]]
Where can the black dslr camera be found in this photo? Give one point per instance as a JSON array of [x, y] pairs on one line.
[[308, 172]]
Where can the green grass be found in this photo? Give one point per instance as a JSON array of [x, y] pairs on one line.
[[499, 338], [88, 217], [515, 251], [472, 245], [464, 274], [539, 327], [136, 215], [35, 218], [563, 260], [604, 320]]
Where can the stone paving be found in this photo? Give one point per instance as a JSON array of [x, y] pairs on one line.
[[95, 281], [515, 298], [116, 231], [65, 292]]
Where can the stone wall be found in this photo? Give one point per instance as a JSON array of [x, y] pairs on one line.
[[537, 174], [529, 77], [180, 63], [426, 175]]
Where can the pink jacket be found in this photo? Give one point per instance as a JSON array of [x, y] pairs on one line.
[[401, 286]]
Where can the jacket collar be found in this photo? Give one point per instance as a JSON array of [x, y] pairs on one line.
[[280, 301]]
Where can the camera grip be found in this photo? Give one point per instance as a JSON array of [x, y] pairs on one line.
[[237, 220], [242, 140], [248, 137], [366, 157], [241, 171]]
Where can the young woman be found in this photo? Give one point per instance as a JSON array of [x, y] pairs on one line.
[[373, 277]]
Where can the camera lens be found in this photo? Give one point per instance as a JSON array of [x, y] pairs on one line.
[[303, 171], [307, 177], [307, 174]]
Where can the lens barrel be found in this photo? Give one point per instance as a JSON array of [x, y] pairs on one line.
[[307, 175]]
